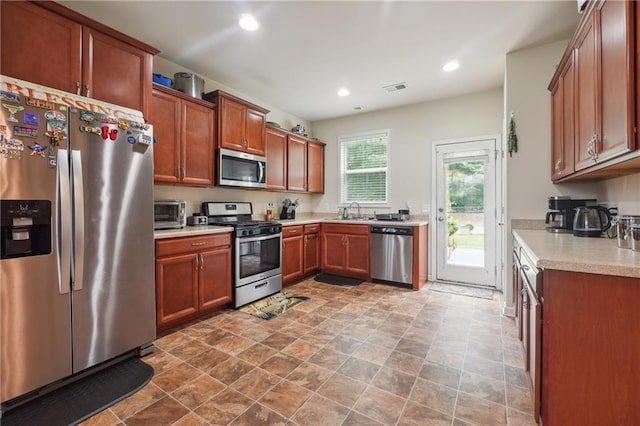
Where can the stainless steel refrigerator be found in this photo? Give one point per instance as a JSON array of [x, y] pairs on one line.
[[77, 252]]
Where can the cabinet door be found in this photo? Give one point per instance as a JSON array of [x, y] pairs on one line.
[[311, 253], [215, 278], [297, 164], [176, 288], [358, 256], [166, 129], [616, 74], [40, 46], [333, 252], [254, 132], [276, 151], [585, 97], [114, 71], [232, 124], [562, 142], [315, 167], [525, 318], [198, 144], [534, 350], [292, 258]]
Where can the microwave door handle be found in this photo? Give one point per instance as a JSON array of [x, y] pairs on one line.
[[261, 167]]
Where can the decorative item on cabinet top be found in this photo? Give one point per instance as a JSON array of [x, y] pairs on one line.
[[299, 130]]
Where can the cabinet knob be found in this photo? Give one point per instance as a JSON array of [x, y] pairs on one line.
[[87, 91], [78, 88]]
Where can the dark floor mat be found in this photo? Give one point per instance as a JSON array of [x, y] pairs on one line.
[[80, 400], [337, 280]]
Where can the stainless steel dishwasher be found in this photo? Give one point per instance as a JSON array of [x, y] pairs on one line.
[[392, 254]]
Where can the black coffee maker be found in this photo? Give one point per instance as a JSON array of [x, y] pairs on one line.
[[561, 213]]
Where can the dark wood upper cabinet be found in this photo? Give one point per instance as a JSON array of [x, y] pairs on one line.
[[315, 167], [241, 124], [276, 152], [599, 68], [297, 164], [49, 44], [184, 129]]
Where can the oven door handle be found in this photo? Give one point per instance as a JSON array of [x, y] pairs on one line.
[[261, 238]]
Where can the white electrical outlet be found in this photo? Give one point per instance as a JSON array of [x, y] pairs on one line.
[[426, 208]]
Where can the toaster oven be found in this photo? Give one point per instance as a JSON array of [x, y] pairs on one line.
[[168, 214]]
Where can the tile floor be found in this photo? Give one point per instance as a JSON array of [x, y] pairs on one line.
[[365, 355]]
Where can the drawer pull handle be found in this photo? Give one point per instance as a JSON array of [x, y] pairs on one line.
[[261, 285], [198, 244]]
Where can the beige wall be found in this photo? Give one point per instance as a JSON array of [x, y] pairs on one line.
[[528, 172], [413, 128], [623, 192], [195, 196]]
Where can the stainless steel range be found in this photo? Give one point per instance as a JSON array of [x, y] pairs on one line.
[[257, 250]]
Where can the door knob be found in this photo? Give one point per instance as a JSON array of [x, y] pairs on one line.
[[441, 218]]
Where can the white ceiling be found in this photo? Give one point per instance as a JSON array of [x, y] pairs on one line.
[[305, 51]]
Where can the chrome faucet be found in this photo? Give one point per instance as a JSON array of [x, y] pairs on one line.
[[357, 206]]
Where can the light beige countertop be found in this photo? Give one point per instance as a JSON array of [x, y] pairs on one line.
[[306, 221], [191, 231], [565, 252]]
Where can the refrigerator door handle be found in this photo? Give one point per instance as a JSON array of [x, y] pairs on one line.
[[62, 222], [78, 201]]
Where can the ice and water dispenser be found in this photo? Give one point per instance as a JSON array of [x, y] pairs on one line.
[[25, 227]]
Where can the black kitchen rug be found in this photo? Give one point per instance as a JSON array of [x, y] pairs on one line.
[[337, 280], [462, 290], [76, 402], [272, 306]]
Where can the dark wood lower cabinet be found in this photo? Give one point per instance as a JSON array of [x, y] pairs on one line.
[[590, 349], [193, 277], [292, 254], [311, 249], [346, 250]]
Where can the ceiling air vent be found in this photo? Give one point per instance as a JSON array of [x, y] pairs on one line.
[[395, 87]]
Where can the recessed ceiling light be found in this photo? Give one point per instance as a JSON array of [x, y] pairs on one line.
[[343, 92], [248, 22], [451, 66]]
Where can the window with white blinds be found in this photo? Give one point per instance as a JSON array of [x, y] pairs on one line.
[[364, 162]]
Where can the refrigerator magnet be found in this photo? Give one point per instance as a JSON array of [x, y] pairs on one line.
[[8, 96], [14, 144], [27, 132], [54, 115], [52, 162], [37, 149], [13, 110], [31, 119], [39, 103], [87, 116]]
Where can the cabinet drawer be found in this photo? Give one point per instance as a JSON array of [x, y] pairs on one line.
[[290, 231], [312, 229], [336, 228], [191, 244]]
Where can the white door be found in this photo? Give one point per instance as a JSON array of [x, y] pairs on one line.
[[465, 211]]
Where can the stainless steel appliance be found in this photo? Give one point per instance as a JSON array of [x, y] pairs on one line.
[[257, 250], [197, 220], [77, 265], [392, 254], [241, 169], [168, 214], [623, 225], [559, 218], [591, 221], [189, 83]]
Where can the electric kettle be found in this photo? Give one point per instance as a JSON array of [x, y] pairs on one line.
[[591, 221]]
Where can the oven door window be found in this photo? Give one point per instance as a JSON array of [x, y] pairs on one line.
[[258, 257], [166, 213]]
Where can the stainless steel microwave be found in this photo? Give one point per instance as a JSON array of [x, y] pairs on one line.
[[169, 214], [241, 169]]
